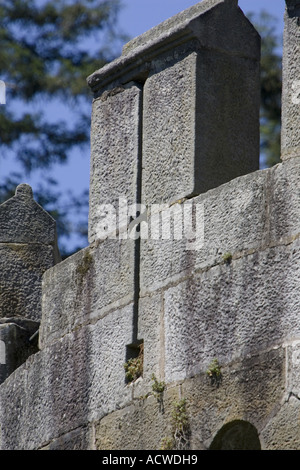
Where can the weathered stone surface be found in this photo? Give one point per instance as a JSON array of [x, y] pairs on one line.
[[28, 247], [128, 429], [282, 431], [150, 320], [232, 294], [234, 220], [290, 135], [21, 270], [198, 133], [25, 221], [293, 366], [250, 391], [135, 62], [86, 286], [200, 116], [109, 338], [169, 130], [52, 386], [146, 423], [232, 310], [75, 380], [77, 439], [284, 200], [247, 214], [176, 22], [17, 343], [116, 154]]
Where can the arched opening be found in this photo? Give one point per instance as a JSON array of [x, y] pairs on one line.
[[236, 435]]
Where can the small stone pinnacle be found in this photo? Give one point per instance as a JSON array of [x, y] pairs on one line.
[[24, 190]]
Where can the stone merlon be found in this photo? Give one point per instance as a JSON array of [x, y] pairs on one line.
[[293, 7]]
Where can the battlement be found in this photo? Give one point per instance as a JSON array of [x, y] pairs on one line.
[[187, 297], [178, 113]]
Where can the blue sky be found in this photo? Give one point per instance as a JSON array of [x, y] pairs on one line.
[[137, 16]]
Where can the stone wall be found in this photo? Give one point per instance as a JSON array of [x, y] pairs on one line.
[[209, 305], [27, 249]]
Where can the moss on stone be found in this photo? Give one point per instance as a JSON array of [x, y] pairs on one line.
[[85, 264]]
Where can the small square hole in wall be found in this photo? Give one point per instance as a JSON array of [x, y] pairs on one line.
[[134, 361]]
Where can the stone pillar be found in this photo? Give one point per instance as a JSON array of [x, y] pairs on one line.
[[28, 247], [290, 136], [115, 151], [179, 110]]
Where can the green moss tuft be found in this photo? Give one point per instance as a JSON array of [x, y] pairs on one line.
[[85, 264]]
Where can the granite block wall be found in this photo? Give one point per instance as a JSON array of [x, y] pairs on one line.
[[192, 280]]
